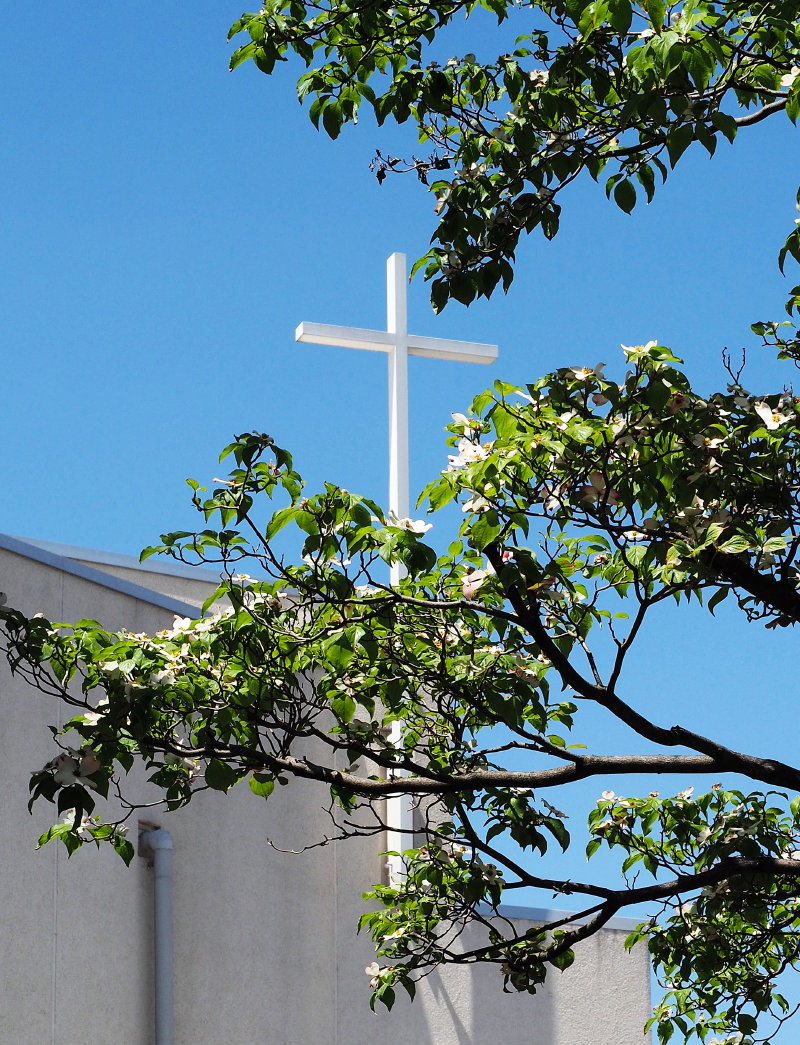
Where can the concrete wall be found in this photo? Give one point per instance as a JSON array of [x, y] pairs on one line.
[[265, 945]]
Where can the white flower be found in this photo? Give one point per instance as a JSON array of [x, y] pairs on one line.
[[597, 490], [204, 624], [67, 768], [191, 767], [91, 718], [686, 795], [582, 373], [451, 634], [772, 418], [607, 796], [565, 418], [469, 426], [469, 451], [476, 504], [395, 935], [163, 676], [553, 499], [634, 351], [789, 78], [374, 971], [417, 526], [709, 444]]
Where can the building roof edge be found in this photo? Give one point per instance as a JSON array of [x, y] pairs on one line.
[[34, 551]]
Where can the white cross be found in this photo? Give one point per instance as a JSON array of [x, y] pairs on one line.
[[398, 344]]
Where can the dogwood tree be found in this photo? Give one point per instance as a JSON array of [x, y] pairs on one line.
[[585, 503], [612, 89], [582, 503]]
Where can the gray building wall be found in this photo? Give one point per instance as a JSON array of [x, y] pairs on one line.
[[266, 951]]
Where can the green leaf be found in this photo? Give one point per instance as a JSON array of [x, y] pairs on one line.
[[717, 598], [332, 120], [736, 545], [699, 62], [219, 775], [625, 195], [241, 55], [484, 528], [620, 15], [262, 785], [678, 141], [726, 124], [123, 847], [793, 101], [656, 10]]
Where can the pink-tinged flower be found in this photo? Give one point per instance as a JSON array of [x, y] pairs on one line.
[[472, 582], [772, 418], [90, 763], [597, 490]]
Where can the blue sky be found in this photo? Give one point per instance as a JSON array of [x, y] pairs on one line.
[[166, 225]]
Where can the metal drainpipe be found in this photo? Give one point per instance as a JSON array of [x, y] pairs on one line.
[[156, 844]]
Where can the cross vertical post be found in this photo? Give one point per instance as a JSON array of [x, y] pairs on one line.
[[397, 324], [398, 344]]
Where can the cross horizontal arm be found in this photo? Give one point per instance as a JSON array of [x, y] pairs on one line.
[[458, 351], [381, 341], [345, 337]]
